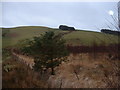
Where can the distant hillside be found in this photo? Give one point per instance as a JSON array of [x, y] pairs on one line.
[[78, 37]]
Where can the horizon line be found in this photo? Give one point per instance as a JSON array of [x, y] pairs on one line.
[[96, 30]]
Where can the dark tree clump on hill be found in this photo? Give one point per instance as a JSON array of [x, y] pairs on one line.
[[64, 27], [48, 51], [110, 32]]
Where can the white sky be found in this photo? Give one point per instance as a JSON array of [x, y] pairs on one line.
[[81, 15]]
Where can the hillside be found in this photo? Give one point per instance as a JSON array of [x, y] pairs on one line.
[[78, 37], [79, 71], [88, 69]]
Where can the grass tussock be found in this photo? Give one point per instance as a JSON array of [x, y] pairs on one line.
[[20, 76]]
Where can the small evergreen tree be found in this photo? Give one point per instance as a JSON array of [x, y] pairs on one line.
[[48, 51]]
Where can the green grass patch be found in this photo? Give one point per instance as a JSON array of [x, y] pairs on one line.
[[78, 37]]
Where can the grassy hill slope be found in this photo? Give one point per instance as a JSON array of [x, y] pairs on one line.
[[80, 37]]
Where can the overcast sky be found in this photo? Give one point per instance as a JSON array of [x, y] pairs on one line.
[[81, 15]]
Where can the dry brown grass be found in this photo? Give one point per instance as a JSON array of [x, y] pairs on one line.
[[85, 71], [21, 76]]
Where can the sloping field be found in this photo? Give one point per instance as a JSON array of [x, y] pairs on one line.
[[14, 35], [89, 37]]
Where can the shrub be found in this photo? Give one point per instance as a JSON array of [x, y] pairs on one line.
[[47, 50]]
